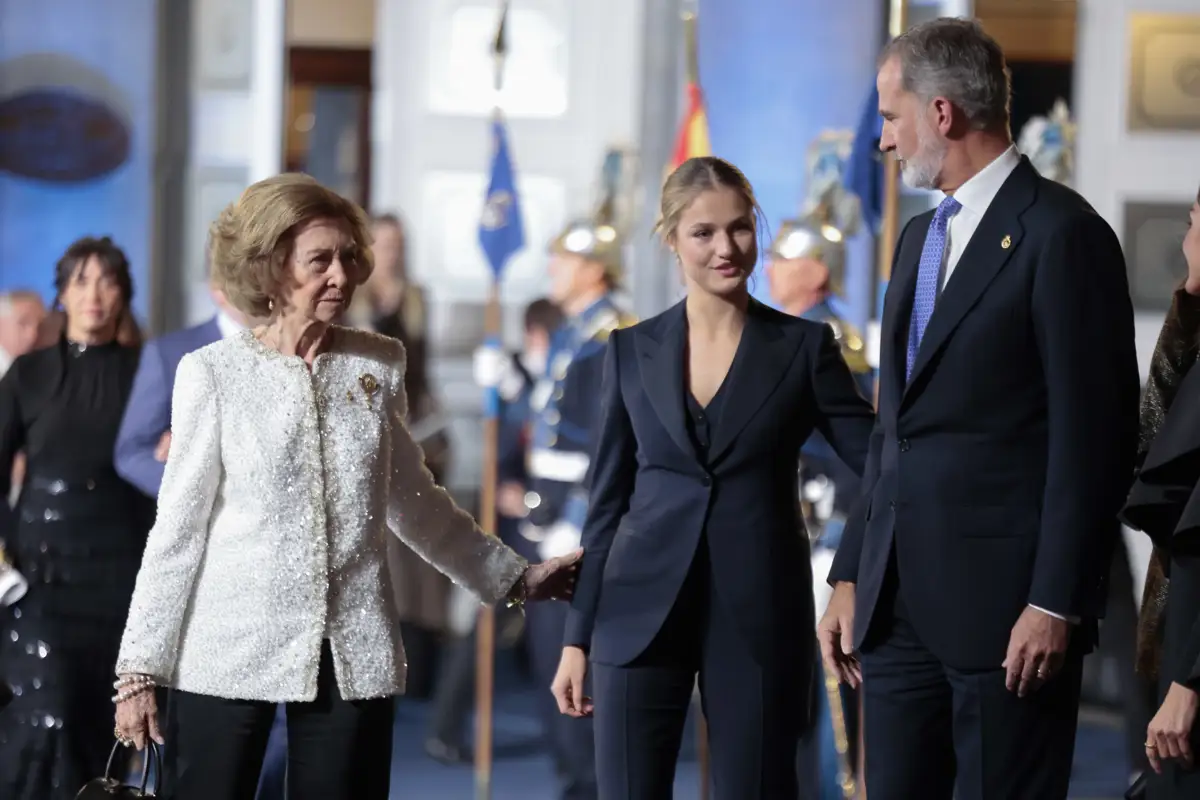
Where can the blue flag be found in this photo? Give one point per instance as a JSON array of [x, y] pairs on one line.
[[864, 172], [501, 233]]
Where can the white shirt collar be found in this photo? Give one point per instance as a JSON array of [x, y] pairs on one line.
[[981, 188], [5, 361], [228, 325]]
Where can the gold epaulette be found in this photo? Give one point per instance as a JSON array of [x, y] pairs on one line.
[[617, 321], [854, 347]]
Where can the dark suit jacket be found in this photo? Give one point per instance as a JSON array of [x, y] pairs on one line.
[[148, 412], [651, 498], [997, 472]]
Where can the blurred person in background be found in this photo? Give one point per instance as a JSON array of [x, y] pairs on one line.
[[265, 578], [1163, 504], [391, 305], [806, 271], [585, 270], [78, 535], [21, 315], [446, 739]]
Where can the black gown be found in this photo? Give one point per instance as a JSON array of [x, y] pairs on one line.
[[1164, 502], [77, 535]]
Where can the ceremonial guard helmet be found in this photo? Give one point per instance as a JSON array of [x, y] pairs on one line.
[[600, 237], [829, 216], [830, 213]]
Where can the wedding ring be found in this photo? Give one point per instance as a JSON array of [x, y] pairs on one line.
[[1151, 746]]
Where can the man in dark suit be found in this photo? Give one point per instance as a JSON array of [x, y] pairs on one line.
[[141, 454], [972, 574]]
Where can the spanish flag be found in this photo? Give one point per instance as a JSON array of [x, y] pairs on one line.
[[693, 139]]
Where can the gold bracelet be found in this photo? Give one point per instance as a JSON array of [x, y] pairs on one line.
[[517, 601], [134, 691]]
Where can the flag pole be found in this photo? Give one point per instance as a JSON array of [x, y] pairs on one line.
[[692, 54], [888, 232], [485, 626]]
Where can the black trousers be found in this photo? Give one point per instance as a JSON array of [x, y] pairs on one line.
[[337, 749], [937, 733], [756, 711]]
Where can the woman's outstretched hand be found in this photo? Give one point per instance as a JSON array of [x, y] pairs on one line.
[[553, 579]]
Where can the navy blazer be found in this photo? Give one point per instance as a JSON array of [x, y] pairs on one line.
[[997, 470], [651, 497], [148, 412]]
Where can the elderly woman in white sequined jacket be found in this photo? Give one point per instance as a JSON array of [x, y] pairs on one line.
[[265, 577]]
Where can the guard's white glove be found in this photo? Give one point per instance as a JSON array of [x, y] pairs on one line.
[[12, 583], [559, 539], [493, 368]]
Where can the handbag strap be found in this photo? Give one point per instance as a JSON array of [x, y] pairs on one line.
[[152, 755]]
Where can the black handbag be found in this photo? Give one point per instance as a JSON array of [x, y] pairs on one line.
[[109, 788], [1139, 788]]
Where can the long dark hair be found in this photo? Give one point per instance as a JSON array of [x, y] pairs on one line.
[[114, 264]]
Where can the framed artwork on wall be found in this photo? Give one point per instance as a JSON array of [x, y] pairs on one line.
[[1164, 72], [1154, 259]]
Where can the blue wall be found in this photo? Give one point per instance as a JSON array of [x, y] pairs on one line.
[[102, 55], [775, 74]]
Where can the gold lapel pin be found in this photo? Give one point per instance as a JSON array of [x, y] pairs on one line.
[[1006, 242], [369, 386]]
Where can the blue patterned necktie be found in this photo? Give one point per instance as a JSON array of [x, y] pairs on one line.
[[928, 274]]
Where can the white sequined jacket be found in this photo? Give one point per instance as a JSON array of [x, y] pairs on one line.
[[279, 492]]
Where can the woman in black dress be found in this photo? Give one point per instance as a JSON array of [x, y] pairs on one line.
[[76, 534], [1165, 504]]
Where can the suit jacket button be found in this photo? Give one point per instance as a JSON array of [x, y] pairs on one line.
[[904, 445], [892, 505], [706, 481]]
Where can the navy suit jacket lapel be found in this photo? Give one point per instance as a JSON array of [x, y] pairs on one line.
[[661, 352], [991, 247]]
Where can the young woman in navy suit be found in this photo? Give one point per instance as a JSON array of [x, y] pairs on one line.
[[696, 561]]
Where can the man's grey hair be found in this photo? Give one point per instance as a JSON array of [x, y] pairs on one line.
[[955, 58], [10, 298]]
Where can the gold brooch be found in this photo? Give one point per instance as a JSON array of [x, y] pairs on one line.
[[369, 386], [1006, 242]]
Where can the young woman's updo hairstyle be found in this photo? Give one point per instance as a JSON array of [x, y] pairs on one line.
[[698, 175]]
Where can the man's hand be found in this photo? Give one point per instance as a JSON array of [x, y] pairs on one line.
[[1036, 650], [163, 448], [1169, 733], [835, 632]]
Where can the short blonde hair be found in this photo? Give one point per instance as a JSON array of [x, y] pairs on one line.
[[692, 178], [250, 242]]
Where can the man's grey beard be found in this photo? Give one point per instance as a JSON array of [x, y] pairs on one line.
[[925, 167]]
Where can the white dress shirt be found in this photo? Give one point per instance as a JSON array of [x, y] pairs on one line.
[[228, 326], [280, 492], [975, 196]]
